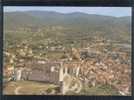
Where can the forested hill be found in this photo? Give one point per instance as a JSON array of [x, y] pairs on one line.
[[76, 23]]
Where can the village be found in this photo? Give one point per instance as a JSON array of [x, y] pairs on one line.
[[71, 70]]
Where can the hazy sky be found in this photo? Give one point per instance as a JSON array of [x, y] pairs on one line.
[[110, 11]]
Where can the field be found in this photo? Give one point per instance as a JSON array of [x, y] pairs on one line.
[[37, 88], [29, 88]]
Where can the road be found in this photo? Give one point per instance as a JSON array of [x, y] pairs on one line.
[[16, 91]]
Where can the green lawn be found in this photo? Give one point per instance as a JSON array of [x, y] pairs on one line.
[[37, 88], [97, 90], [28, 88]]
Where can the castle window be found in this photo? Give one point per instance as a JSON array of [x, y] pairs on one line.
[[52, 69], [69, 71], [64, 70]]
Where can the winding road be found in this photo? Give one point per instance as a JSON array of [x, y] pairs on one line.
[[16, 91]]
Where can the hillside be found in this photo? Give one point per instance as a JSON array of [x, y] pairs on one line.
[[82, 54], [78, 23]]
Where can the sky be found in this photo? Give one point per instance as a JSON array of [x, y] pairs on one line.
[[108, 11]]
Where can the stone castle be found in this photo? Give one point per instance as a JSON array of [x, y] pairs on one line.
[[59, 73]]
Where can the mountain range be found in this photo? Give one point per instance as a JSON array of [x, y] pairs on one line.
[[73, 23]]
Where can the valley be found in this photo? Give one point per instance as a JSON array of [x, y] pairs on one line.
[[76, 53]]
